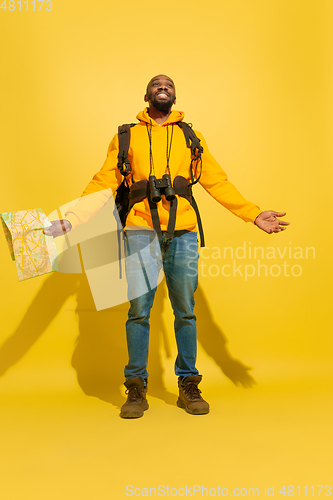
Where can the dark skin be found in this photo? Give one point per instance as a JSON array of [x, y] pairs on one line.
[[160, 92], [160, 96]]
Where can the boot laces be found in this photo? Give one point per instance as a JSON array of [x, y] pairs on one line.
[[192, 391], [134, 394]]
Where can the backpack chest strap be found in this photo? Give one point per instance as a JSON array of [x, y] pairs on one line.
[[143, 193], [140, 190]]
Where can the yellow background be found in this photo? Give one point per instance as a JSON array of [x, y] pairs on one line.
[[255, 77]]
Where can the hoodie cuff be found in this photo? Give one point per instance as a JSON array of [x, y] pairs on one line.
[[253, 214], [73, 219]]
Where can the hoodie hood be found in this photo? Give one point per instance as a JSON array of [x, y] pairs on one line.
[[175, 116]]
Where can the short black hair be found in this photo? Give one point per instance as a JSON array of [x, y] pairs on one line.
[[154, 77]]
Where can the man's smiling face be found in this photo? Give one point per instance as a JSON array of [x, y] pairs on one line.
[[161, 92]]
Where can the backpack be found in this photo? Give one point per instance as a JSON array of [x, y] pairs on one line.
[[126, 197]]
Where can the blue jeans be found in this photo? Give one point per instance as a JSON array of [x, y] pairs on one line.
[[145, 259]]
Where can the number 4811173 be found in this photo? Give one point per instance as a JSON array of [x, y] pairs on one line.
[[291, 490], [29, 5]]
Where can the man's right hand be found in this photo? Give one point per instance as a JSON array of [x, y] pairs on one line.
[[58, 228]]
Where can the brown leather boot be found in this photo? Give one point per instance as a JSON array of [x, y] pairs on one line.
[[189, 396], [136, 402]]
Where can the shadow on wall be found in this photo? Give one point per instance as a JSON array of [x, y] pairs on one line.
[[100, 352]]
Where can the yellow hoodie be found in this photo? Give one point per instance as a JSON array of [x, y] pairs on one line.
[[108, 179]]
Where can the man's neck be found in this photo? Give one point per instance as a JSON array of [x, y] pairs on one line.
[[157, 115]]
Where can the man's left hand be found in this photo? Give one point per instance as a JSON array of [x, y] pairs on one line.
[[268, 222]]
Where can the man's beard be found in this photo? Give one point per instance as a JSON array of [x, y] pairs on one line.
[[162, 105]]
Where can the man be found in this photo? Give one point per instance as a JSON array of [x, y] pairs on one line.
[[158, 147]]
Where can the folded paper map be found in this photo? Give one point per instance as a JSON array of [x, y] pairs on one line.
[[34, 252]]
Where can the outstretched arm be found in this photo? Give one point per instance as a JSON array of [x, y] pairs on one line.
[[215, 181], [94, 197]]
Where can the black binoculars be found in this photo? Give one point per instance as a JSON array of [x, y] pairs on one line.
[[159, 187]]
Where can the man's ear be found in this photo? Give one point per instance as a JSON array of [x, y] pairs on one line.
[[145, 98], [174, 101]]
